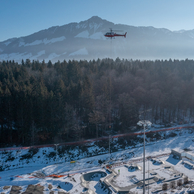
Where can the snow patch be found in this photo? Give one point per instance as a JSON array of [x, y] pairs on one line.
[[98, 36], [81, 26], [7, 43], [15, 56], [179, 31], [19, 56], [55, 29], [45, 41], [36, 42], [38, 55], [82, 51], [22, 43], [191, 35], [84, 34], [94, 26], [51, 56], [53, 40]]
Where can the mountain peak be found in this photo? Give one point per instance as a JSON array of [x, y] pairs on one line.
[[92, 23], [95, 19]]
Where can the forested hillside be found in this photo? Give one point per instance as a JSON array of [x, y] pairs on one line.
[[67, 101]]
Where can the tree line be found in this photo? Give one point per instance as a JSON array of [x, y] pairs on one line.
[[73, 100]]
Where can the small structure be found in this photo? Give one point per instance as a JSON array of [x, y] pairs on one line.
[[87, 177], [188, 164], [179, 182], [180, 154], [165, 186], [177, 153], [157, 161], [173, 184], [189, 155], [133, 167], [186, 180], [153, 173]]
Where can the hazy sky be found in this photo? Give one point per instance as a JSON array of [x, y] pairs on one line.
[[24, 17]]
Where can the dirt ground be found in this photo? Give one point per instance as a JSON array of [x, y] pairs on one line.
[[31, 189]]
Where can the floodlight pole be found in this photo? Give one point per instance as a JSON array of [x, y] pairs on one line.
[[144, 124], [144, 159]]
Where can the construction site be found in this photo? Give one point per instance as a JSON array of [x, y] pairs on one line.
[[169, 165], [164, 174]]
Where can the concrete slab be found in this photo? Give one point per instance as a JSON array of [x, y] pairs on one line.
[[35, 189]]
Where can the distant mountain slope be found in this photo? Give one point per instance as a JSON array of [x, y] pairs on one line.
[[85, 40]]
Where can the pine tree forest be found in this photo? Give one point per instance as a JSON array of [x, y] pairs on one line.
[[43, 103]]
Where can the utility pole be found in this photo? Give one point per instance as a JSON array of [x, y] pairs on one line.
[[148, 173], [109, 147], [56, 156]]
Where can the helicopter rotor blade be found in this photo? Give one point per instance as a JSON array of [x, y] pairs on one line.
[[118, 30], [112, 30]]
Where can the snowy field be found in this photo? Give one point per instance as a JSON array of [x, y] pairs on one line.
[[24, 172]]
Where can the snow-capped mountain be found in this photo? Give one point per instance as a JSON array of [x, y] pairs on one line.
[[86, 40]]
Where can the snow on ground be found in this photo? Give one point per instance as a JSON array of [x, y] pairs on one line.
[[126, 178], [166, 173], [40, 163], [43, 154]]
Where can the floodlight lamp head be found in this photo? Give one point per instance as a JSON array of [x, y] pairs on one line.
[[148, 123], [144, 123], [140, 123]]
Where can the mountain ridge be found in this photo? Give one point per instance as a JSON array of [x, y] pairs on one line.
[[85, 40]]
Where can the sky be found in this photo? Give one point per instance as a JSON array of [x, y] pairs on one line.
[[23, 17]]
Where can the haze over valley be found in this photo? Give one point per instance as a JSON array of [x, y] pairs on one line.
[[86, 40]]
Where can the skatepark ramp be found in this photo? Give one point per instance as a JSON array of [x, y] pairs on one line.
[[87, 177]]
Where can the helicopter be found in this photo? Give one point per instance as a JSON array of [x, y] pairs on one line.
[[112, 34]]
